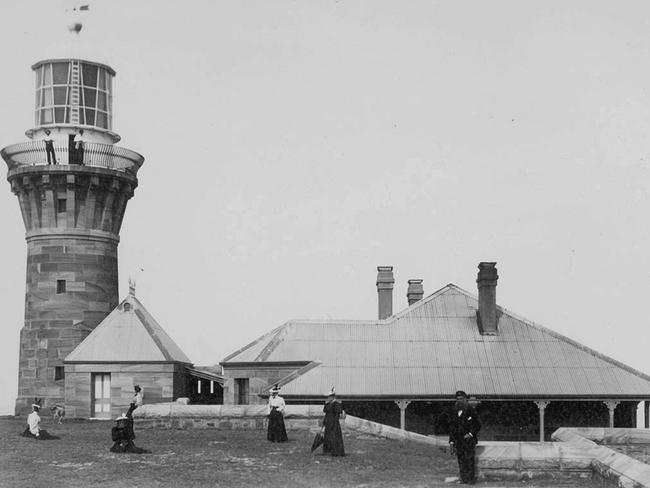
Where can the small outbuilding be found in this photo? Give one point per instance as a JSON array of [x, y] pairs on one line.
[[130, 348]]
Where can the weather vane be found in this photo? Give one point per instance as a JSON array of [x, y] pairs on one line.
[[75, 25]]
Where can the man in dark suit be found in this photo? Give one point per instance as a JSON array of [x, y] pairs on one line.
[[464, 425]]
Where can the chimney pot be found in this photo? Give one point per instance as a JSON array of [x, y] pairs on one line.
[[385, 281], [487, 298], [415, 291]]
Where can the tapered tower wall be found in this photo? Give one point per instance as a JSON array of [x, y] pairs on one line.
[[72, 216]]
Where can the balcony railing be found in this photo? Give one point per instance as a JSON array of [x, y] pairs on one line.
[[95, 154]]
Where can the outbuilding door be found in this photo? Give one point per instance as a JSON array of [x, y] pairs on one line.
[[101, 395]]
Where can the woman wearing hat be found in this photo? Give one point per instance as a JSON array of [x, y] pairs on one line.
[[34, 425], [123, 436], [276, 431], [333, 442]]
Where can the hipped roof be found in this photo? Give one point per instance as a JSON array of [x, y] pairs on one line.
[[434, 348], [128, 336]]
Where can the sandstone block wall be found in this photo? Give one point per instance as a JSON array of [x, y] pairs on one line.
[[158, 382], [72, 218]]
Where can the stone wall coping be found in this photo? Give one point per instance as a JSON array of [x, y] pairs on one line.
[[603, 435], [157, 410], [389, 432]]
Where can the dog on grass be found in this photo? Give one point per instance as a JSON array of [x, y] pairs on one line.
[[58, 412]]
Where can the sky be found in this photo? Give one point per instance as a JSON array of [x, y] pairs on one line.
[[292, 147]]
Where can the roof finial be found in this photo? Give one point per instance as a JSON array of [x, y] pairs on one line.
[[131, 287]]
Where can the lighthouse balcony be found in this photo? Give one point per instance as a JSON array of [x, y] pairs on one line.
[[108, 156]]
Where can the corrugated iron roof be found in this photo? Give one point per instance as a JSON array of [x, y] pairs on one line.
[[433, 348], [128, 336]]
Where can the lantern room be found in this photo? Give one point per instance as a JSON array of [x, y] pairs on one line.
[[74, 93]]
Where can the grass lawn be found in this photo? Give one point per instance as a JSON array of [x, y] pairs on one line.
[[202, 458]]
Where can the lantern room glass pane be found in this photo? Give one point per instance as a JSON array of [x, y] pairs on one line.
[[89, 97], [46, 116], [47, 74], [89, 75], [102, 120], [60, 72], [47, 97], [102, 78], [59, 114], [39, 76], [90, 117], [59, 95], [37, 102], [101, 100]]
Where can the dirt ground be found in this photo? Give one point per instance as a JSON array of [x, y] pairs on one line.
[[202, 458]]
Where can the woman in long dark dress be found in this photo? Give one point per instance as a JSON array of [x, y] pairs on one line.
[[333, 437], [276, 431]]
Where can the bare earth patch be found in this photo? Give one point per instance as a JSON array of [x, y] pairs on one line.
[[202, 458]]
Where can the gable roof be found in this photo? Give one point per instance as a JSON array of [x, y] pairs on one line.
[[131, 335], [433, 348]]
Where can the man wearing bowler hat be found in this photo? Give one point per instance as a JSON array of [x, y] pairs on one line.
[[463, 431]]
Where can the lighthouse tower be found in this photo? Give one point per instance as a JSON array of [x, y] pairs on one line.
[[72, 184]]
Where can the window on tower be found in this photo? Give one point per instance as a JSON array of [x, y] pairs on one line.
[[58, 372], [60, 286], [61, 205]]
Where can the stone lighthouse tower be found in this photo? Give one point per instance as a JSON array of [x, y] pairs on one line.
[[73, 184]]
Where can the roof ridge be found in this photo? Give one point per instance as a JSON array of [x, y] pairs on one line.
[[295, 374], [251, 344], [157, 332], [427, 299], [152, 333]]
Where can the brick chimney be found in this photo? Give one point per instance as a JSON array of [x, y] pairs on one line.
[[487, 298], [415, 291], [385, 281]]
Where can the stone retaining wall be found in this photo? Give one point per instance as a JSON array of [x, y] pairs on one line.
[[616, 468], [223, 417], [532, 460]]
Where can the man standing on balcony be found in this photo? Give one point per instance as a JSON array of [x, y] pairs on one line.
[[49, 148], [79, 147]]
